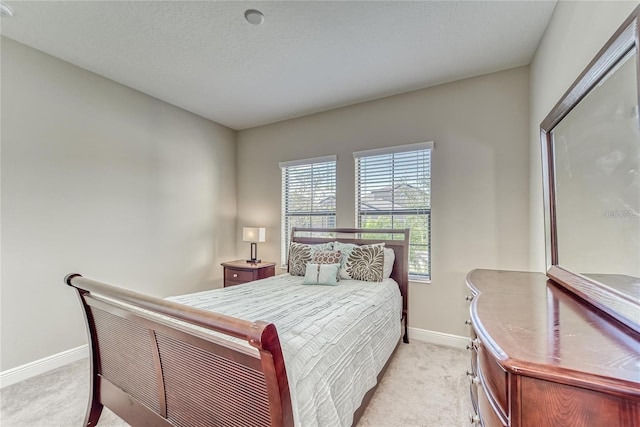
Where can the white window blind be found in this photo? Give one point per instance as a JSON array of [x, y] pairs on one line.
[[308, 196], [393, 190]]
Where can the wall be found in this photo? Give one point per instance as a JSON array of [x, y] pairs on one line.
[[105, 181], [479, 182], [576, 32]]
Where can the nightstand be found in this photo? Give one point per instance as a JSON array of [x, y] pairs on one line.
[[241, 271]]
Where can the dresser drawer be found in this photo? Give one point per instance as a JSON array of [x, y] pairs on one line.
[[488, 415], [473, 394], [235, 276], [586, 408], [473, 373], [474, 342], [494, 380]]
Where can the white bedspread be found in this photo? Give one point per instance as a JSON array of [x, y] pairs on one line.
[[335, 339]]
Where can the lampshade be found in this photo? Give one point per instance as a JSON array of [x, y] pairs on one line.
[[253, 234]]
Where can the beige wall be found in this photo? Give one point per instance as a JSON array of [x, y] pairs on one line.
[[105, 181], [479, 184], [577, 31]]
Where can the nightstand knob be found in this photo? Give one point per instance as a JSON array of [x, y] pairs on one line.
[[235, 275]]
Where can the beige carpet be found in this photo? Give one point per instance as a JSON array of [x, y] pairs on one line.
[[425, 385]]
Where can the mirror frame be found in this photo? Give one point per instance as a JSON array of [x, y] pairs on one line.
[[621, 306]]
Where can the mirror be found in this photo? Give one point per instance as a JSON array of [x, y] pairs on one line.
[[591, 149], [596, 153]]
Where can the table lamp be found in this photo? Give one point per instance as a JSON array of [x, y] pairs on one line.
[[253, 235]]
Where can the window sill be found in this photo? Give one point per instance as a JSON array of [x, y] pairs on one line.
[[419, 279]]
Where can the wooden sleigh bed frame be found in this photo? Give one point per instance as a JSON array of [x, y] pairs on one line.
[[153, 365]]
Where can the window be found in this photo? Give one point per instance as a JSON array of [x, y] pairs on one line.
[[393, 190], [308, 196]]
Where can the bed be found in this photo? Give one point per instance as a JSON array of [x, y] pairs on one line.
[[314, 357]]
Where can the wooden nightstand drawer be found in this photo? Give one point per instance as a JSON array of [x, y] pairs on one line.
[[240, 271], [238, 276]]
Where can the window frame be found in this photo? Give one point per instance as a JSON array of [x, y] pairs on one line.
[[285, 226], [392, 212]]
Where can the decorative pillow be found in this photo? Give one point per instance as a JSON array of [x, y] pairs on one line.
[[389, 258], [347, 248], [327, 257], [321, 274], [366, 263], [300, 254]]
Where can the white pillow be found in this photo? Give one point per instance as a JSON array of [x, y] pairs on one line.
[[389, 258]]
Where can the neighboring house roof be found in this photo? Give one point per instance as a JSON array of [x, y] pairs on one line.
[[391, 197]]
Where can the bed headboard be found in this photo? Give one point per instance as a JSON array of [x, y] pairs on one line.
[[396, 239]]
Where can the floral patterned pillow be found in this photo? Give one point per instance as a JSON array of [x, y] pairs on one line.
[[347, 248], [300, 254], [366, 263]]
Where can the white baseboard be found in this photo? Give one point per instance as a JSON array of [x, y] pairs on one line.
[[40, 366], [440, 338]]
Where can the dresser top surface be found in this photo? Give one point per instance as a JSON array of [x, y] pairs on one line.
[[533, 326]]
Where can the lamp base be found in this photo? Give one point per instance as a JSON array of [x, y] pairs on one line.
[[254, 254]]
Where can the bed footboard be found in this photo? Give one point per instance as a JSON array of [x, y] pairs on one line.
[[155, 362]]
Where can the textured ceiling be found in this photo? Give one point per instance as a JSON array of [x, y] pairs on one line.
[[306, 57]]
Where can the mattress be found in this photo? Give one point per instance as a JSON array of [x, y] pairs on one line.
[[335, 339]]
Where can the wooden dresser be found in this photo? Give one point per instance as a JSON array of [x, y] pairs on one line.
[[543, 358]]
